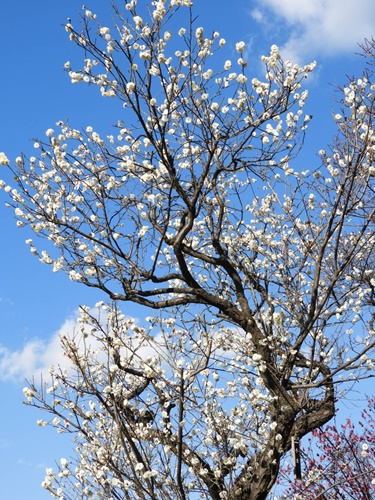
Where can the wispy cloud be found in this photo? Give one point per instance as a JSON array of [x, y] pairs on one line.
[[317, 27], [5, 443], [35, 356]]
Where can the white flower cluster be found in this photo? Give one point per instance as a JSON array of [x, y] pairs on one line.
[[3, 159], [192, 205]]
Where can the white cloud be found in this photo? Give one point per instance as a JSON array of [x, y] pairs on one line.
[[318, 27], [35, 357]]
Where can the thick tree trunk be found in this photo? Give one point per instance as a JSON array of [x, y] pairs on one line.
[[257, 481]]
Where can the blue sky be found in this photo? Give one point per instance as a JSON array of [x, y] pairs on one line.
[[36, 304]]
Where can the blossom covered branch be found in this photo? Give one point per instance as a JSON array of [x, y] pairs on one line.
[[258, 273]]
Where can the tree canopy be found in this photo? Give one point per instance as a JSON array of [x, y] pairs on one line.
[[258, 275]]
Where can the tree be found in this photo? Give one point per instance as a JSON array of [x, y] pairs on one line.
[[257, 274], [340, 462]]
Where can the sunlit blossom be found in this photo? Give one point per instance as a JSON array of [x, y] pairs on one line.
[[257, 272]]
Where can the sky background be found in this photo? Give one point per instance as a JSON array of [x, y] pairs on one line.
[[35, 92]]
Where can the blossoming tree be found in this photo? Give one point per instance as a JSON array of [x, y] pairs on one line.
[[257, 274], [340, 462]]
